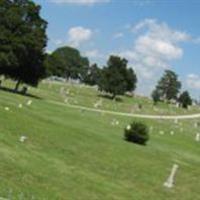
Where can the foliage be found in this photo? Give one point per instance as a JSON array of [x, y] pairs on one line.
[[168, 86], [22, 41], [155, 96], [116, 78], [93, 75], [131, 80], [137, 132], [68, 63], [185, 99]]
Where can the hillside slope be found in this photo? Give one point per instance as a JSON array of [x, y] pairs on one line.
[[72, 154]]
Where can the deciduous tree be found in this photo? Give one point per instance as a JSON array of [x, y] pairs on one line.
[[22, 41]]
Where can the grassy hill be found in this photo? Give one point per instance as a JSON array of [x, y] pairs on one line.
[[71, 154]]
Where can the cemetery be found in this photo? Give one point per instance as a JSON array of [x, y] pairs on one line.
[[56, 151], [99, 100]]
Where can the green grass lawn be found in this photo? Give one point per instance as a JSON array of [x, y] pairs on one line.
[[75, 155]]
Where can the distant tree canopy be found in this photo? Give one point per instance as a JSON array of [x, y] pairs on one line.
[[155, 96], [116, 78], [185, 99], [67, 62], [93, 75], [22, 41], [168, 87]]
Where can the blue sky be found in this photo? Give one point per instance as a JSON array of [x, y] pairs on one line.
[[153, 35]]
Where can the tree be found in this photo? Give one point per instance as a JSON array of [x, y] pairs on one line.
[[116, 79], [185, 99], [67, 62], [22, 41], [155, 96], [168, 87], [131, 79], [93, 75]]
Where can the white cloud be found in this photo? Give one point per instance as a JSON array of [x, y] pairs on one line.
[[78, 35], [161, 30], [142, 3], [193, 81], [156, 45], [93, 54], [57, 42], [118, 35], [79, 2]]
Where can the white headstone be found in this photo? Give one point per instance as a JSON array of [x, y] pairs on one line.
[[114, 122], [20, 105], [68, 92], [170, 181], [22, 138], [161, 132], [171, 132], [197, 138], [195, 125], [29, 102], [176, 121], [128, 127], [98, 104], [7, 108]]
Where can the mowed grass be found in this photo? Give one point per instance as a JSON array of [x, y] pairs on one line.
[[78, 155], [89, 96]]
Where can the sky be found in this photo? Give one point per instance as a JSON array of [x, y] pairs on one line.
[[153, 35]]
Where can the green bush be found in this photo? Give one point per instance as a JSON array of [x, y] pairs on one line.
[[137, 132]]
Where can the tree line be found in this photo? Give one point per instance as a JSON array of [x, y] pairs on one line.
[[23, 41], [114, 78]]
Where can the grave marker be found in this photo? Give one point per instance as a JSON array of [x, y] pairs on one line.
[[170, 181]]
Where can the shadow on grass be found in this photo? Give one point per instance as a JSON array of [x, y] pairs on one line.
[[19, 92], [108, 96]]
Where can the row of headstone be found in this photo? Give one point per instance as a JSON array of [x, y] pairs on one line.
[[29, 102], [114, 122]]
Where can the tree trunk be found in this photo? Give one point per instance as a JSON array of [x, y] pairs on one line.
[[17, 85]]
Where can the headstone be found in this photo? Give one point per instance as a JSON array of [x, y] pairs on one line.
[[114, 122], [7, 108], [171, 132], [22, 139], [197, 138], [98, 104], [170, 181], [68, 92], [128, 127], [20, 105], [176, 121], [75, 102], [29, 102], [62, 90], [195, 125], [162, 132]]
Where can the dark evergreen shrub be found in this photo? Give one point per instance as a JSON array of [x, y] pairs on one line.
[[137, 132]]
